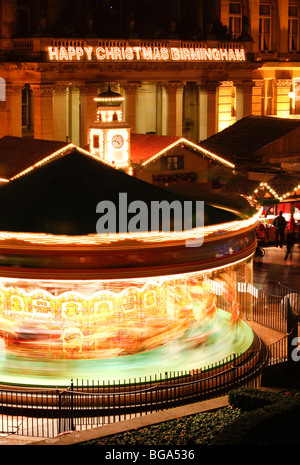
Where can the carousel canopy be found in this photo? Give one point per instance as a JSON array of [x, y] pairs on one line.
[[60, 196]]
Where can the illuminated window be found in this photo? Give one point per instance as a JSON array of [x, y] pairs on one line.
[[264, 26], [173, 162], [293, 28], [267, 98], [295, 98], [235, 19], [233, 102]]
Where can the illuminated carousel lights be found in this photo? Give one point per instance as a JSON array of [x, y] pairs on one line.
[[106, 239], [75, 317]]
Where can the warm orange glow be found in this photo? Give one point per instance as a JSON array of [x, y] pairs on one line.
[[110, 318]]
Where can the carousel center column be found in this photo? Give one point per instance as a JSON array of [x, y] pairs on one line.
[[43, 110], [175, 103]]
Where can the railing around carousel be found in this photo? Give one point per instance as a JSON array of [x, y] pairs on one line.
[[50, 412]]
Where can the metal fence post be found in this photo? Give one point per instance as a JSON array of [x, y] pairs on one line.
[[59, 411]]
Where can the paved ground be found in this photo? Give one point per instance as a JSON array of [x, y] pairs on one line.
[[273, 268], [267, 273]]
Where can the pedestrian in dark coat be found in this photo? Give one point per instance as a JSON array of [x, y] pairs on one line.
[[279, 223]]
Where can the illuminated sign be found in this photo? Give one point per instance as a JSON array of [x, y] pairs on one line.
[[144, 54]]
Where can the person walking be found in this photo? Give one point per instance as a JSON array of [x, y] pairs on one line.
[[279, 223], [289, 245], [292, 223]]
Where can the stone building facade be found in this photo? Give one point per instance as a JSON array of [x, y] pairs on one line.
[[185, 67]]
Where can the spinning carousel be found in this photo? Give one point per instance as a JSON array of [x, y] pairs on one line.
[[76, 304]]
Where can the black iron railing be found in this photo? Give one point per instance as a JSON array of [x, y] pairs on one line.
[[47, 413]]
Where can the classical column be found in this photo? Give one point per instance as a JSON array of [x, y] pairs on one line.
[[257, 97], [14, 109], [43, 110], [88, 110], [224, 105], [283, 87], [202, 111], [244, 99], [174, 94], [60, 112], [212, 102], [130, 103]]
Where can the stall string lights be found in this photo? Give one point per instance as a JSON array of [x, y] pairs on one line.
[[184, 141], [274, 193]]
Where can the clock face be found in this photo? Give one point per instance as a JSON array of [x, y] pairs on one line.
[[117, 141]]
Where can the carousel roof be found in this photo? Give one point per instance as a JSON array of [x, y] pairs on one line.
[[60, 195]]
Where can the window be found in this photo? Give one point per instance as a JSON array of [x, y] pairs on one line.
[[235, 19], [96, 141], [233, 102], [267, 98], [27, 108], [293, 29], [23, 18], [265, 26], [174, 162]]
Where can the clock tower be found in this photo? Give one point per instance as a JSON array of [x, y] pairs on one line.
[[109, 135]]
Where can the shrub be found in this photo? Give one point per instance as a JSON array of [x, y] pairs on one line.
[[248, 399], [273, 424], [196, 429]]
